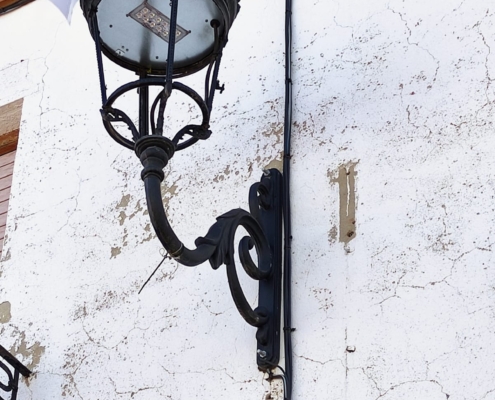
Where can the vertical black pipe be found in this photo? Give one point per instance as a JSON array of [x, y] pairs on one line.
[[170, 65], [99, 60], [171, 45], [287, 212], [144, 124]]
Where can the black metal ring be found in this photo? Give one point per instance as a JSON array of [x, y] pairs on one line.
[[153, 82]]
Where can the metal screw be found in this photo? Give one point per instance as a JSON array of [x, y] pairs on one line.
[[261, 353], [351, 349]]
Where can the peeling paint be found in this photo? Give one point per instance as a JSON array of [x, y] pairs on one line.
[[276, 163], [124, 202], [347, 201], [115, 252], [167, 193], [30, 356], [147, 238], [122, 218], [5, 314]]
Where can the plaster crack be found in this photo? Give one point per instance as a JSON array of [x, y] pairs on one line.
[[76, 199], [418, 381], [454, 262], [395, 290], [132, 393], [321, 362], [370, 378], [44, 75], [409, 34], [209, 310], [487, 70], [487, 393]]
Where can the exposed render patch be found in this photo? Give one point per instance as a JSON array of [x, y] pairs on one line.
[[5, 315], [347, 195], [115, 252], [276, 163], [168, 192], [32, 353], [122, 218], [124, 202]]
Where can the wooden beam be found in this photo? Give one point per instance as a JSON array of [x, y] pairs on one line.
[[6, 3], [10, 121]]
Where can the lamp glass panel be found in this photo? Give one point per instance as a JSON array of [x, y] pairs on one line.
[[128, 30]]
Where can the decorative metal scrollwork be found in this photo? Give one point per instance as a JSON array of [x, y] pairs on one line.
[[264, 226], [110, 114], [12, 376]]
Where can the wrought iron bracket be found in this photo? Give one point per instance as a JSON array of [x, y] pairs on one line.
[[12, 385], [270, 289], [264, 227]]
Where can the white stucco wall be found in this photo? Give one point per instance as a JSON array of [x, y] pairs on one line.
[[397, 93]]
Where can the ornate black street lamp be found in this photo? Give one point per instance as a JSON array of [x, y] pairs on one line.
[[161, 41]]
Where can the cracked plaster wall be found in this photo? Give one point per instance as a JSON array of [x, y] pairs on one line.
[[400, 90]]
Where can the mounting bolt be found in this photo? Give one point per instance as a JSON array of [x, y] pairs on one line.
[[350, 349], [261, 353]]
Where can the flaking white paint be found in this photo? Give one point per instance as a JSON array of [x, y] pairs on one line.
[[405, 87]]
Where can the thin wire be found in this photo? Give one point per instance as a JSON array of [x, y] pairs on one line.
[[153, 273], [287, 209]]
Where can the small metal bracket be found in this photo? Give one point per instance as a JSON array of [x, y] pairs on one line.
[[219, 87]]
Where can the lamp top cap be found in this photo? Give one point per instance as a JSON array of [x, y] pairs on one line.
[[135, 33]]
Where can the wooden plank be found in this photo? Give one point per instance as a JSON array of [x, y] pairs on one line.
[[4, 206], [10, 122], [5, 3], [7, 158], [8, 142], [6, 170], [5, 182], [3, 219], [2, 231], [5, 194], [10, 116]]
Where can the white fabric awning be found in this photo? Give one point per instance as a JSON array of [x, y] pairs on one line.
[[66, 7]]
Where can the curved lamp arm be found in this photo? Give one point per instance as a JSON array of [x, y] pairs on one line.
[[154, 153], [263, 225]]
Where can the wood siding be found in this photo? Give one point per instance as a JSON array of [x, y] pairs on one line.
[[6, 171], [10, 121]]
